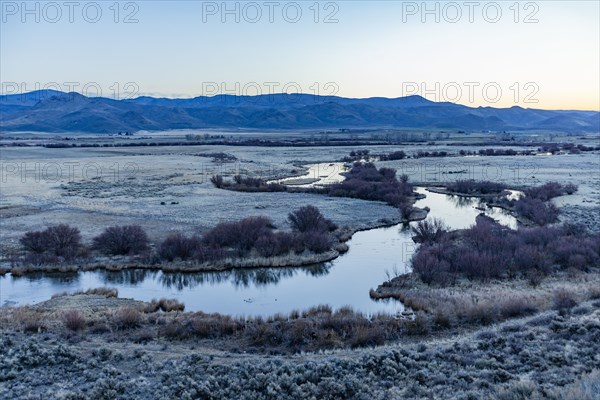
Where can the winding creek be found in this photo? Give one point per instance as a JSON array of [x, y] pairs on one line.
[[374, 256]]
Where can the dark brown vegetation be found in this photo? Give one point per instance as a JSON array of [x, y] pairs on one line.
[[551, 356], [429, 230], [246, 184], [310, 219], [491, 251], [473, 187], [249, 237], [122, 240], [73, 320], [366, 182], [56, 241], [535, 205]]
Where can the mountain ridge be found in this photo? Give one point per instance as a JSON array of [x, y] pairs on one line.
[[53, 111]]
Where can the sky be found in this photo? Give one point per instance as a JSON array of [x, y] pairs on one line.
[[542, 54]]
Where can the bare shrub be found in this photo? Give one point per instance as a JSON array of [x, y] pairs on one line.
[[563, 299], [309, 218], [405, 210], [550, 190], [64, 240], [217, 180], [35, 242], [429, 230], [317, 242], [489, 250], [61, 240], [420, 325], [535, 278], [104, 291], [475, 187], [516, 307], [127, 318], [274, 244], [367, 336], [168, 305], [241, 235], [365, 181], [73, 320], [431, 269], [31, 320], [179, 246], [479, 312], [538, 211], [122, 240]]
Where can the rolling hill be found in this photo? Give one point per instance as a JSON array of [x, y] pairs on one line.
[[52, 111]]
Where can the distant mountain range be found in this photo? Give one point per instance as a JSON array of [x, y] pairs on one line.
[[53, 111]]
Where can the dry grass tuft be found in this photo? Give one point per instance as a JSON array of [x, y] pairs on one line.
[[73, 320]]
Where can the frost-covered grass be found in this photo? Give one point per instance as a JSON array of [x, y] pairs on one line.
[[553, 355]]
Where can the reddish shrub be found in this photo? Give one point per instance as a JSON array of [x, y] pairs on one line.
[[477, 187], [317, 242], [35, 242], [429, 230], [61, 241], [121, 240], [364, 181], [178, 245], [128, 318], [537, 210], [309, 218], [74, 320], [274, 244], [241, 235], [563, 299]]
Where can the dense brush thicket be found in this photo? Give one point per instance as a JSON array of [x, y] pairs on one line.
[[365, 181], [475, 187], [551, 356], [250, 236], [489, 250]]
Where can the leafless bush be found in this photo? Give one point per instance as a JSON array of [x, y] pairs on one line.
[[537, 210], [241, 235], [121, 240], [429, 230], [31, 320], [278, 243], [104, 291], [217, 180], [35, 242], [309, 218], [73, 320], [516, 307], [317, 242], [475, 187], [127, 318], [179, 246], [563, 299], [61, 240], [168, 305]]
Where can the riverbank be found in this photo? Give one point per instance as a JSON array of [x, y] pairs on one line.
[[289, 260], [553, 352]]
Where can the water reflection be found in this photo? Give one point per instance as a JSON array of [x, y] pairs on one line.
[[127, 276], [461, 201], [54, 278], [373, 256]]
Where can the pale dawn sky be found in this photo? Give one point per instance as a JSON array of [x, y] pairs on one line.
[[542, 54]]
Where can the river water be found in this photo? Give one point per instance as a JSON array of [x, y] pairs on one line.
[[374, 256]]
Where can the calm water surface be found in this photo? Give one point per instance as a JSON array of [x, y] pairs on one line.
[[373, 257]]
